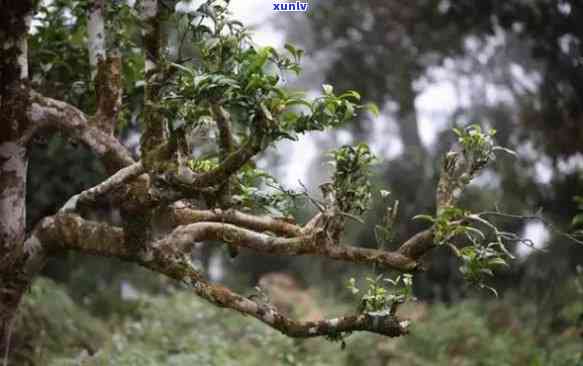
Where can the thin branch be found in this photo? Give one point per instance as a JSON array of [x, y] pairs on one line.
[[190, 180], [545, 222], [90, 195]]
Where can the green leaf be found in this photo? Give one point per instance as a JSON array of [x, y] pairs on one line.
[[497, 262], [373, 108], [182, 68], [351, 94], [424, 217], [491, 289], [328, 89]]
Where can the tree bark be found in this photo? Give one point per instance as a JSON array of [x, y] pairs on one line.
[[14, 23], [13, 165]]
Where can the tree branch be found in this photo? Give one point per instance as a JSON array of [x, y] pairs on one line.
[[232, 163], [71, 232], [184, 216], [96, 34], [184, 237], [154, 132], [90, 195], [47, 113], [109, 92], [418, 245], [105, 70], [226, 140], [383, 324]]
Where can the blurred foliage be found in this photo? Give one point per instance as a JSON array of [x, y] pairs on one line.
[[351, 177], [50, 324], [180, 329]]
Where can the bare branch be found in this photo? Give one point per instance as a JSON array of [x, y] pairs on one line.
[[47, 113], [185, 216], [90, 195], [184, 237], [72, 232]]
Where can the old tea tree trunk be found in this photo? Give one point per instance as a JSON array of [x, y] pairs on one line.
[[14, 280], [166, 178], [15, 272]]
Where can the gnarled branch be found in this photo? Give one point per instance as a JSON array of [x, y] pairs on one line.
[[184, 237], [71, 232], [183, 216], [50, 114]]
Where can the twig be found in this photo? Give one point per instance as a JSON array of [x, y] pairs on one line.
[[533, 218]]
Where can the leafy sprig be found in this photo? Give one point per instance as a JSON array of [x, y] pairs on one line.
[[382, 293], [351, 177]]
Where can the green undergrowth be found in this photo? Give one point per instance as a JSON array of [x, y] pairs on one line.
[[179, 329]]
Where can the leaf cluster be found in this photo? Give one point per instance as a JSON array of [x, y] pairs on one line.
[[351, 177], [478, 149], [479, 255], [382, 293]]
